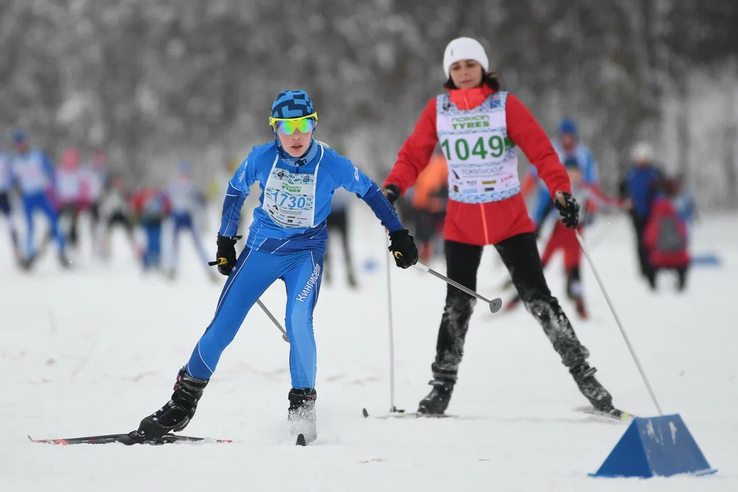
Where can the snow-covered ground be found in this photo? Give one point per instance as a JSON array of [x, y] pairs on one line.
[[92, 351]]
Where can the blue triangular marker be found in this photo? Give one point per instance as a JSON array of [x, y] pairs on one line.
[[661, 446]]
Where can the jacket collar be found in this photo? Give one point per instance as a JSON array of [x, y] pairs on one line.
[[466, 99], [305, 158]]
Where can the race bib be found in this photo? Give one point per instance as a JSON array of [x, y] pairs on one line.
[[289, 198], [482, 160]]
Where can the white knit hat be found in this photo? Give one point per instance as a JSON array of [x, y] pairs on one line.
[[642, 152], [464, 49]]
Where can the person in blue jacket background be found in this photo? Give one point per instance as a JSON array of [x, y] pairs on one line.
[[640, 186], [568, 147], [287, 240], [34, 175]]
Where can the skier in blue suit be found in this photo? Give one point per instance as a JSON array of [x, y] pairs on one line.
[[568, 147], [34, 175], [287, 240]]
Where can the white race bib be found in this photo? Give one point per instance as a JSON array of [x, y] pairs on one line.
[[289, 198], [482, 161]]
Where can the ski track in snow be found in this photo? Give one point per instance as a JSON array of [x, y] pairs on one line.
[[95, 350]]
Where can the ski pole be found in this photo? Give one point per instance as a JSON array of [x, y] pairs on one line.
[[617, 320], [393, 409], [222, 261], [274, 320], [494, 304]]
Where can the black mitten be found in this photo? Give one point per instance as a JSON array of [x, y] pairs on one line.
[[568, 209], [226, 256], [403, 248]]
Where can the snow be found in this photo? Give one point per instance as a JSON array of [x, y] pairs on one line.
[[94, 350]]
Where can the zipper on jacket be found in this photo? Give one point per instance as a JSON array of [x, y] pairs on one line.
[[484, 224]]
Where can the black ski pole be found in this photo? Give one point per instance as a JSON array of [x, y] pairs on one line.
[[494, 304]]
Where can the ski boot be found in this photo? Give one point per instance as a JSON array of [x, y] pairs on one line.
[[177, 413], [591, 388], [438, 399], [301, 415]]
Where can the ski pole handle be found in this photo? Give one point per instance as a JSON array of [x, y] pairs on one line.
[[494, 304], [218, 262]]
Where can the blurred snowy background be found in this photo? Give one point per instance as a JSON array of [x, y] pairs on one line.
[[155, 82]]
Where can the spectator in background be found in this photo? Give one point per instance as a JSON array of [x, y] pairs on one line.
[[151, 207], [6, 186], [568, 147], [684, 201], [429, 201], [69, 193], [95, 180], [187, 202], [114, 210], [34, 174], [640, 185], [338, 221], [665, 238]]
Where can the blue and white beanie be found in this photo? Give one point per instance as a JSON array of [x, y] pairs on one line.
[[292, 104]]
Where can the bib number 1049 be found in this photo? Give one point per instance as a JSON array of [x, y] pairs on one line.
[[493, 146]]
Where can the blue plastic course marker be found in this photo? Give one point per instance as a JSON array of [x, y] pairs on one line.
[[655, 446]]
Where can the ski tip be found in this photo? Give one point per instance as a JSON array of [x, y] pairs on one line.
[[301, 440], [363, 412]]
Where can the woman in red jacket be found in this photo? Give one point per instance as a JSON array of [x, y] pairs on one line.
[[478, 128]]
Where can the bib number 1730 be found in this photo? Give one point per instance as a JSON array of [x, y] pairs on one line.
[[289, 201]]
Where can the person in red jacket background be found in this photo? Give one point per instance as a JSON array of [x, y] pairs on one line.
[[665, 239], [479, 127]]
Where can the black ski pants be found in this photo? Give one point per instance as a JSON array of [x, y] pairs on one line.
[[520, 255], [639, 224]]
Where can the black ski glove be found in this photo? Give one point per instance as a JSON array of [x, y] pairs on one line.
[[568, 209], [226, 254], [392, 192], [403, 248]]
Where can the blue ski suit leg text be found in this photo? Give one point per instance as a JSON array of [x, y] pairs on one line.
[[255, 271]]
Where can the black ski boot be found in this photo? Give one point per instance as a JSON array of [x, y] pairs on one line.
[[438, 399], [301, 414], [591, 388], [177, 413]]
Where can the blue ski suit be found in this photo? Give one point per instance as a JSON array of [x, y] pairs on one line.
[[287, 241], [36, 179]]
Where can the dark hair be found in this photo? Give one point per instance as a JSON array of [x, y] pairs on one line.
[[490, 79]]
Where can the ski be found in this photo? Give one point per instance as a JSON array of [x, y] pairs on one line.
[[404, 415], [615, 414], [301, 440], [127, 439]]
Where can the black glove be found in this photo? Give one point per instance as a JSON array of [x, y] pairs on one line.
[[392, 192], [403, 248], [226, 254], [568, 209]]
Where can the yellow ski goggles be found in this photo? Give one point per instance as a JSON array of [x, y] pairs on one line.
[[288, 126]]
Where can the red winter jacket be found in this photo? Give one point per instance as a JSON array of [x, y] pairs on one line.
[[662, 210], [492, 222]]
